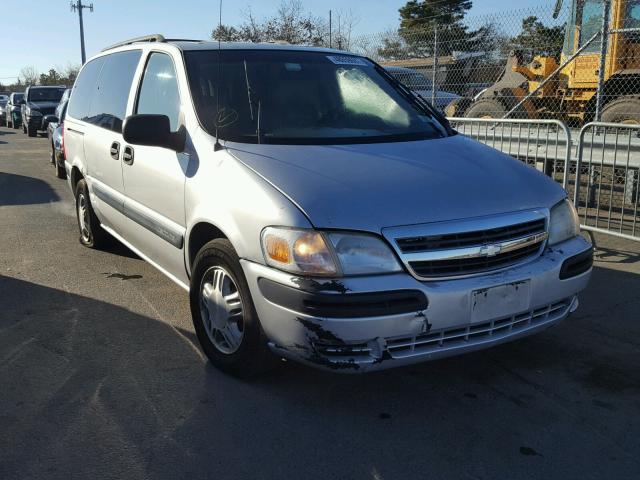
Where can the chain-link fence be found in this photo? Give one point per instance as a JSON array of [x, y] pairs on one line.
[[541, 62]]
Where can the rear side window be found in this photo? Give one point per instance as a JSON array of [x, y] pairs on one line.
[[159, 90], [109, 105], [84, 88]]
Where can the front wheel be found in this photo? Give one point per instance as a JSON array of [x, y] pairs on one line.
[[32, 132], [223, 313]]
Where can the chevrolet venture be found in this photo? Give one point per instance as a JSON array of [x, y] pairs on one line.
[[313, 207]]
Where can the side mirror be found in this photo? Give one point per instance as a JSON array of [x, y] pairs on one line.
[[51, 119], [154, 131]]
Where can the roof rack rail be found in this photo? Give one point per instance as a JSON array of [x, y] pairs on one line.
[[183, 40], [146, 38]]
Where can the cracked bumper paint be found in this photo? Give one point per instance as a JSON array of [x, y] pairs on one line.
[[449, 325]]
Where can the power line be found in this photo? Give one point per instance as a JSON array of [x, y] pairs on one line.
[[78, 7]]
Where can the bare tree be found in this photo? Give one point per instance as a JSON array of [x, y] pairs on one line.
[[343, 28], [291, 24], [29, 75]]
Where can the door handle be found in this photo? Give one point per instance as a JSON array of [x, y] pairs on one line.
[[115, 150], [127, 155]]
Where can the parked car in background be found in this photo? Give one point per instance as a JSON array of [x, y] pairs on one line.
[[313, 208], [3, 109], [54, 117], [418, 83], [13, 109], [39, 102], [55, 134]]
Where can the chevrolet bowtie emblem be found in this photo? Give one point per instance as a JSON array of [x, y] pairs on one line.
[[490, 250]]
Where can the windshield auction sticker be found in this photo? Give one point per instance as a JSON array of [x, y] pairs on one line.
[[348, 60]]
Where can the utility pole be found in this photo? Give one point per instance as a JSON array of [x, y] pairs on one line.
[[330, 42], [78, 6]]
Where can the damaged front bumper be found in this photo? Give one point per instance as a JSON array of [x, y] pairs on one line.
[[368, 323]]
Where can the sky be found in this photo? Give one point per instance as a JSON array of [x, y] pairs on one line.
[[45, 33]]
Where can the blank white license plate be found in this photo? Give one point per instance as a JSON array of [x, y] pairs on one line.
[[501, 301]]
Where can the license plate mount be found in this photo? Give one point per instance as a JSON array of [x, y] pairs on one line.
[[500, 301]]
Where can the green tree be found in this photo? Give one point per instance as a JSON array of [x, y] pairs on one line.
[[419, 20], [50, 78], [538, 39]]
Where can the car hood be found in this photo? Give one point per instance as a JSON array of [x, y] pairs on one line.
[[371, 186], [39, 105]]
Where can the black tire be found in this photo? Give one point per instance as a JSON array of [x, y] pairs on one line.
[[60, 171], [52, 155], [32, 132], [486, 108], [252, 356], [622, 110], [94, 236]]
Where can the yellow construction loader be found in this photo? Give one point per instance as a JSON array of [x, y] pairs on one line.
[[568, 90]]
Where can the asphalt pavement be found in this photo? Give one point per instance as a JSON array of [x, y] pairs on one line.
[[101, 376]]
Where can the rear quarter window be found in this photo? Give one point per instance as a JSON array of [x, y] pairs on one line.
[[84, 89]]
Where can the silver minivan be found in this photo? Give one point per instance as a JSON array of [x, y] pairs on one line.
[[313, 208]]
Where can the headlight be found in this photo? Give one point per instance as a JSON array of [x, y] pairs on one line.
[[33, 112], [564, 222], [363, 254], [328, 254]]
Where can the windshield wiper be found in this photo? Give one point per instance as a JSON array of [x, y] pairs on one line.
[[250, 96]]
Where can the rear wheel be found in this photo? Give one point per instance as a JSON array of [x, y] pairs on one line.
[[91, 233], [60, 171], [622, 110], [224, 317]]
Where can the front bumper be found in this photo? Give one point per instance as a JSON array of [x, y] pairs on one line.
[[365, 340]]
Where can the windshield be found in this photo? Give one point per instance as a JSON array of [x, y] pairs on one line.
[[292, 97], [17, 97], [413, 80], [45, 94]]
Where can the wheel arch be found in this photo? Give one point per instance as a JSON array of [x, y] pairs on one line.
[[76, 176], [198, 235], [616, 86]]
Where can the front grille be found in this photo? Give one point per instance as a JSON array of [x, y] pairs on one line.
[[469, 335], [465, 239], [48, 110], [467, 266], [470, 246]]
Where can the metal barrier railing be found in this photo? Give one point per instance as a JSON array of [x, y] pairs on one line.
[[543, 144], [609, 158]]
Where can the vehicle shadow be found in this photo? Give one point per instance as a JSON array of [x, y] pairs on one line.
[[94, 387], [22, 190]]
